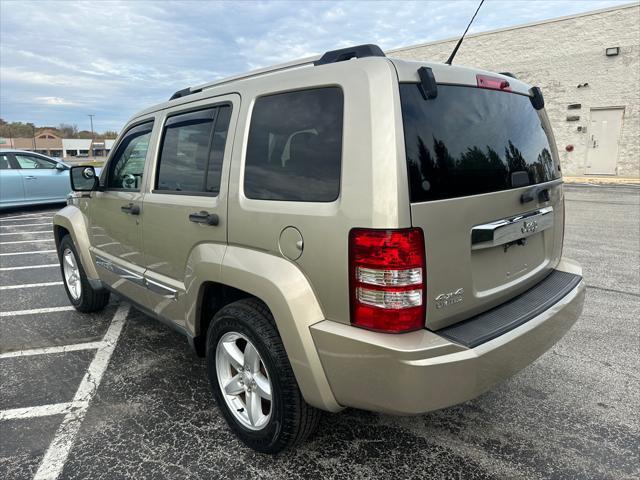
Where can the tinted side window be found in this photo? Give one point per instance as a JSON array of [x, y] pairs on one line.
[[214, 170], [4, 162], [185, 148], [29, 161], [295, 146], [127, 166], [192, 151]]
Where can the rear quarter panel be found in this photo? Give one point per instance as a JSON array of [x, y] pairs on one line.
[[373, 189]]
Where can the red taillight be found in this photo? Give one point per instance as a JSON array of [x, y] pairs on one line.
[[387, 279], [493, 83]]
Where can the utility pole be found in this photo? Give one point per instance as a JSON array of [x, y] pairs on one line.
[[33, 129], [93, 136]]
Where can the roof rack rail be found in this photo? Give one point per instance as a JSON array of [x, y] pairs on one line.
[[332, 56], [358, 51], [181, 93]]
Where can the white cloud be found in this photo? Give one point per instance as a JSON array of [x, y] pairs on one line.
[[53, 101], [334, 14]]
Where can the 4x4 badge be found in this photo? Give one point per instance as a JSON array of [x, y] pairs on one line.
[[446, 299]]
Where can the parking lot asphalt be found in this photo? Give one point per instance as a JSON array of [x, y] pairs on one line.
[[135, 403]]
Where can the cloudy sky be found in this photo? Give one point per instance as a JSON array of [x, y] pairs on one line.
[[62, 60]]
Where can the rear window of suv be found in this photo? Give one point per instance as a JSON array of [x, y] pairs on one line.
[[295, 146], [469, 141]]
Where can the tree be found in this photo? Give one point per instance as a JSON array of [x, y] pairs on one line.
[[110, 134], [68, 131]]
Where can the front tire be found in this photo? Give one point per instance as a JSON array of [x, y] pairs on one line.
[[252, 380], [81, 294]]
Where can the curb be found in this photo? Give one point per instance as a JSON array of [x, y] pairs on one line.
[[602, 181]]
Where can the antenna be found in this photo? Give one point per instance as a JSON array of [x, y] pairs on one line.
[[455, 50]]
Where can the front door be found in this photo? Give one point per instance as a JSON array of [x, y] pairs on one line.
[[41, 179], [602, 146], [186, 209], [116, 214]]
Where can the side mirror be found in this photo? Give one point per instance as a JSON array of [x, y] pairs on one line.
[[83, 179], [61, 167]]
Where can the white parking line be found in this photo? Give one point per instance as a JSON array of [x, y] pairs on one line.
[[26, 225], [28, 241], [26, 233], [27, 253], [36, 311], [29, 285], [58, 451], [58, 349], [29, 267], [40, 411]]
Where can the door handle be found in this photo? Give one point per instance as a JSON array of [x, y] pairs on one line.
[[30, 177], [131, 209], [204, 217]]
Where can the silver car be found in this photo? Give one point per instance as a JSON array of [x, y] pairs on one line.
[[28, 178]]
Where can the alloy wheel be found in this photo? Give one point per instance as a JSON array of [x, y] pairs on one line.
[[244, 381], [71, 274]]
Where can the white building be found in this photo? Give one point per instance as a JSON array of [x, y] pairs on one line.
[[588, 67], [76, 147]]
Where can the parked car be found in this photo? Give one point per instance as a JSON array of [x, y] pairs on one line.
[[374, 233], [28, 178]]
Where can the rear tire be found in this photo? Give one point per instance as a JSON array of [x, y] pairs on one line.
[[81, 294], [286, 419]]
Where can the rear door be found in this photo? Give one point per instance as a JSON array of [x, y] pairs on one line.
[[186, 209], [11, 189], [484, 186]]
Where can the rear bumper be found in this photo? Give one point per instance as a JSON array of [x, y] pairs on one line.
[[421, 371]]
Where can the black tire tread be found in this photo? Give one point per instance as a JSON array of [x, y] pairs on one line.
[[91, 300], [301, 419]]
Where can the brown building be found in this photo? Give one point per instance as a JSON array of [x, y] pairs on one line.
[[48, 143], [45, 142]]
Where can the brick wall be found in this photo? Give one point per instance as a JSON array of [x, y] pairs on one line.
[[558, 56]]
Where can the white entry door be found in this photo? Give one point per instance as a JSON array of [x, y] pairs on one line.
[[602, 145]]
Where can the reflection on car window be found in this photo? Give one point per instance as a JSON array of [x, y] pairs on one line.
[[469, 141], [29, 161], [4, 162], [214, 171], [127, 166], [192, 151], [295, 146]]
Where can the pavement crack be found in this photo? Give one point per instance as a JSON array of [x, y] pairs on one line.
[[613, 290]]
